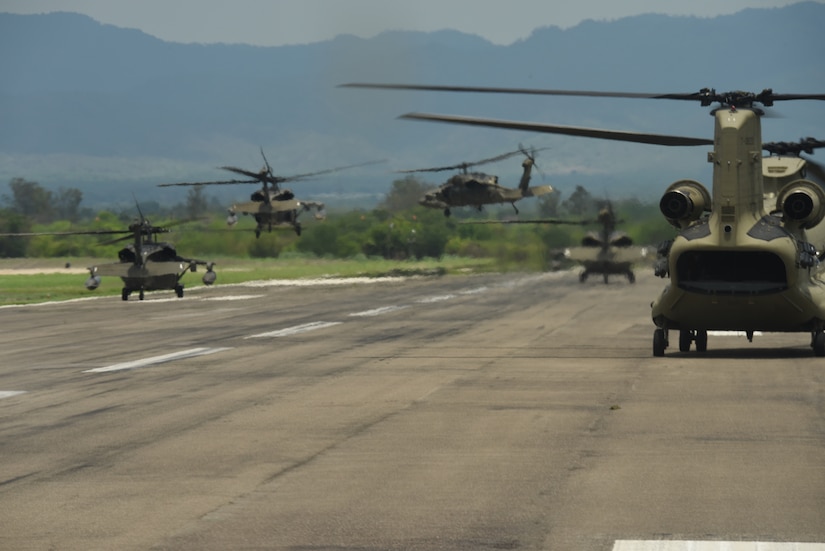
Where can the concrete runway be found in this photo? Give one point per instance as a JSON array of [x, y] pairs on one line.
[[482, 412]]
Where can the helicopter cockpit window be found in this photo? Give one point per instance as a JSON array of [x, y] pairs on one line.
[[731, 272]]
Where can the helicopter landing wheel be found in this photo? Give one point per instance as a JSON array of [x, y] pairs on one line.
[[659, 342], [701, 340], [819, 344], [179, 290], [297, 229], [582, 277], [631, 277], [604, 276], [140, 294], [124, 294], [446, 212], [685, 338]]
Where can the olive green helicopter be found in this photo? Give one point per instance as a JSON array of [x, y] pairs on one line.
[[476, 189], [146, 264], [742, 260], [271, 206], [606, 251]]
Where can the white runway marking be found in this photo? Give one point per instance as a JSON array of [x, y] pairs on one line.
[[191, 353], [665, 545], [10, 393], [438, 298], [235, 297], [296, 329], [474, 291], [378, 311]]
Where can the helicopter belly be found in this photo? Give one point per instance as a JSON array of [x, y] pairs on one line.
[[795, 309], [151, 283]]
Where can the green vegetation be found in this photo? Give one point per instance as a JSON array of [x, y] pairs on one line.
[[396, 236]]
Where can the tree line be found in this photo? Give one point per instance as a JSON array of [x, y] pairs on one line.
[[397, 228]]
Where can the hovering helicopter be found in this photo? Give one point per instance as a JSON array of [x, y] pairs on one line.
[[738, 262], [271, 205], [145, 264], [477, 189]]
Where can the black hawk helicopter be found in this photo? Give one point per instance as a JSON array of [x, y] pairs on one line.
[[739, 262], [145, 264], [476, 189], [272, 205]]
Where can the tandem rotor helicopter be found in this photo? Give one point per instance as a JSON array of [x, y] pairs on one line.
[[272, 205], [145, 264], [476, 189], [741, 261]]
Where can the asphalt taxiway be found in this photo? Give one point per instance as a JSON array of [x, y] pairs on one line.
[[508, 411]]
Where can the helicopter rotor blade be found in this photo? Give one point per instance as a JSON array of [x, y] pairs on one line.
[[706, 96], [215, 183], [636, 137], [554, 221], [331, 170], [465, 165]]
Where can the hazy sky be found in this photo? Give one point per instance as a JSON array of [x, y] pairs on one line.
[[277, 22]]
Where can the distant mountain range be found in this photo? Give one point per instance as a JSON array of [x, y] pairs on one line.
[[115, 111]]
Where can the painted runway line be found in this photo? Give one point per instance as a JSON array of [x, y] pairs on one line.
[[378, 311], [295, 330], [666, 545], [437, 298], [191, 353], [233, 297], [10, 393]]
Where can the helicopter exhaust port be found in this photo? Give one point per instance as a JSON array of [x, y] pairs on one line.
[[684, 202], [802, 203]]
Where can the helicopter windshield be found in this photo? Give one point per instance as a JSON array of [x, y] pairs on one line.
[[731, 272]]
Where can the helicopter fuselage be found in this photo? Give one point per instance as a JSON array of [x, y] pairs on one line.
[[744, 268]]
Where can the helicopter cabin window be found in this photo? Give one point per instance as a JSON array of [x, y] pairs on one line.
[[731, 272]]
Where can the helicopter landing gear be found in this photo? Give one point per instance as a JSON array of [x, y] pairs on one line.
[[124, 294], [140, 294], [447, 212], [701, 340], [631, 277], [685, 338], [700, 337], [179, 290], [818, 343], [297, 229], [659, 342], [605, 277], [583, 277]]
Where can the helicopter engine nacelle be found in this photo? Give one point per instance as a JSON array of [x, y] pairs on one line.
[[684, 202], [802, 203]]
